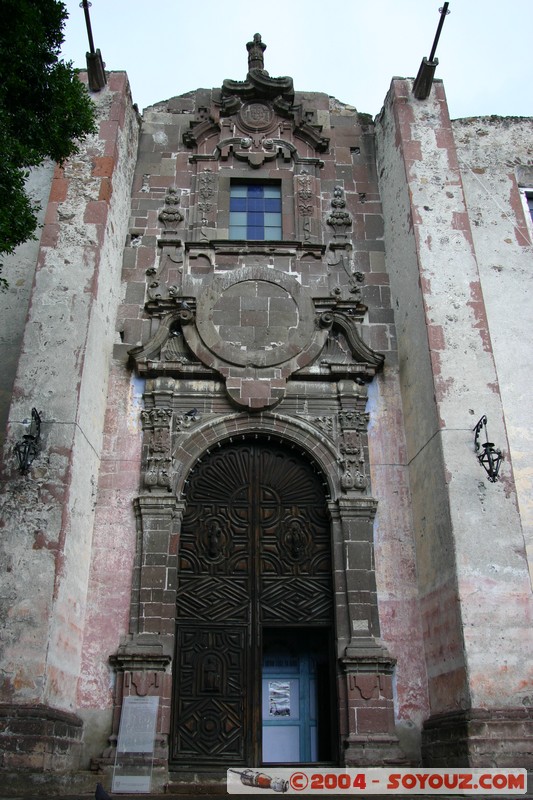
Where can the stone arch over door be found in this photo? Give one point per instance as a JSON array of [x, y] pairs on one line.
[[363, 666], [254, 557]]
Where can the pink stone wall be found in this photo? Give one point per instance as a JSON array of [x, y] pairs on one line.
[[467, 530], [63, 372]]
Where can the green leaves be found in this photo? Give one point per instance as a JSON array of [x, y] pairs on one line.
[[44, 109]]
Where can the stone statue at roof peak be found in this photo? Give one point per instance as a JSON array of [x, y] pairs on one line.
[[256, 48]]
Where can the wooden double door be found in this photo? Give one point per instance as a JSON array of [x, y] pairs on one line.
[[254, 602]]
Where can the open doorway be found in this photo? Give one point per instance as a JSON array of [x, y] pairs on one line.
[[297, 696]]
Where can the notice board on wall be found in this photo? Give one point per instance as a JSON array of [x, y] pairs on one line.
[[135, 745]]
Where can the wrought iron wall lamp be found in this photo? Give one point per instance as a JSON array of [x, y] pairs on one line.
[[28, 448], [491, 457]]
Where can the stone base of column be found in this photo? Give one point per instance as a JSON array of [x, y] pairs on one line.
[[367, 695], [141, 665], [36, 738], [374, 750], [480, 737]]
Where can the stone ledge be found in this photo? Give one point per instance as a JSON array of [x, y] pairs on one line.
[[37, 738], [480, 737]]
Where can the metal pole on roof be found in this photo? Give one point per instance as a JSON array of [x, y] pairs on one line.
[[424, 79], [95, 65]]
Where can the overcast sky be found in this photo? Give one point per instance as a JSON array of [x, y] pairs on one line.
[[347, 48]]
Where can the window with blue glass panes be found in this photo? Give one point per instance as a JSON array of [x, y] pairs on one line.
[[255, 211]]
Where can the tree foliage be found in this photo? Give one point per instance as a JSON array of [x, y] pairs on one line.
[[44, 109]]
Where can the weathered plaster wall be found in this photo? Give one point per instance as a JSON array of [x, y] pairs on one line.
[[63, 372], [496, 158], [395, 556], [463, 523], [435, 562], [112, 557], [18, 270]]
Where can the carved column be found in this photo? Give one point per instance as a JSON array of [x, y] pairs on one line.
[[143, 662], [366, 666]]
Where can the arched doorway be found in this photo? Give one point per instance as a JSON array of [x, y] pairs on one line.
[[254, 635]]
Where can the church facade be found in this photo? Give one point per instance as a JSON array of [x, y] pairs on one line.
[[265, 342]]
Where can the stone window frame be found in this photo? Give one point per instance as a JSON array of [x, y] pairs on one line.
[[284, 181]]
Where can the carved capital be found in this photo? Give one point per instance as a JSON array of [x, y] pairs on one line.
[[353, 420], [156, 418]]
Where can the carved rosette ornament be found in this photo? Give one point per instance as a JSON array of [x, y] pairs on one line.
[[157, 472], [256, 117]]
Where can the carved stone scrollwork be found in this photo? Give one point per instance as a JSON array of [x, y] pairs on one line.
[[205, 206], [353, 426], [355, 278], [157, 472], [353, 465], [326, 424], [305, 203], [325, 320], [183, 422], [255, 151]]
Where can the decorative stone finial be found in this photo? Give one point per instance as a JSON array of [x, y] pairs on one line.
[[256, 48]]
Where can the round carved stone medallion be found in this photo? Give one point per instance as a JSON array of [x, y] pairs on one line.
[[255, 317], [256, 116]]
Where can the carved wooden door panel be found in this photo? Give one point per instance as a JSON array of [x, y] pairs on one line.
[[254, 552]]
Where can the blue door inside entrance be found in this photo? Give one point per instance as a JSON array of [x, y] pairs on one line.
[[296, 696], [289, 706]]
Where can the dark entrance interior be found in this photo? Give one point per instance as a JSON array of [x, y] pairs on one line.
[[297, 709], [254, 591]]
